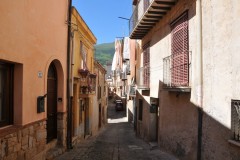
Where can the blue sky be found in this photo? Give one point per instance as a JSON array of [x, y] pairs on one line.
[[102, 17]]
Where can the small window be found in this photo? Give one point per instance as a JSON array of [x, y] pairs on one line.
[[235, 119], [6, 84], [140, 112]]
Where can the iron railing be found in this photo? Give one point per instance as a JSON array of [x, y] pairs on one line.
[[132, 90], [123, 76], [176, 70], [143, 77], [138, 12]]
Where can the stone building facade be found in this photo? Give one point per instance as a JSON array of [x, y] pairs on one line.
[[187, 96]]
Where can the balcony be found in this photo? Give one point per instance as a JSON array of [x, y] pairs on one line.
[[176, 72], [143, 78], [87, 83], [146, 14], [132, 91], [123, 76]]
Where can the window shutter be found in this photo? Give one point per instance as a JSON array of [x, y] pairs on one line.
[[179, 49], [146, 64]]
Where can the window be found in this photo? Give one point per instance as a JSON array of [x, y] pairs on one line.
[[235, 119], [99, 92], [180, 53], [146, 64], [140, 112], [6, 84], [84, 55]]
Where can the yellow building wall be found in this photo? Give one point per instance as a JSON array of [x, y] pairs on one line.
[[82, 35]]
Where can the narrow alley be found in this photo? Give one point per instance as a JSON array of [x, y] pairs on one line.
[[116, 141]]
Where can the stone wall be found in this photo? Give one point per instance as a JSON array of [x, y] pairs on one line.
[[23, 143]]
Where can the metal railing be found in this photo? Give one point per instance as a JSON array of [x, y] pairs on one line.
[[143, 77], [138, 12], [123, 76], [132, 90], [176, 70]]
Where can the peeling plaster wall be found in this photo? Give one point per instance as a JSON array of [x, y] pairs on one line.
[[221, 82]]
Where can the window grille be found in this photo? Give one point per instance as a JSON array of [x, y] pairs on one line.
[[146, 64], [235, 119], [180, 53]]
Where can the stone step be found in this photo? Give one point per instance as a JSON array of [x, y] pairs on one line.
[[54, 152], [153, 145]]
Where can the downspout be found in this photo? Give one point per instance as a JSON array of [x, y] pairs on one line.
[[69, 98], [199, 66]]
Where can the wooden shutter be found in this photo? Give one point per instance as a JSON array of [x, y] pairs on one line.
[[179, 49]]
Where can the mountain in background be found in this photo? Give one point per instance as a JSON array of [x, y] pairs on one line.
[[104, 52]]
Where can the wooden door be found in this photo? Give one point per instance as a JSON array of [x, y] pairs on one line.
[[100, 116], [51, 103], [86, 129]]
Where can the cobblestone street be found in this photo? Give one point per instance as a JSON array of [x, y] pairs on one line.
[[117, 141]]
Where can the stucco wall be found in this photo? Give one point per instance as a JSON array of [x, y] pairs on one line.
[[178, 116], [221, 80], [33, 42]]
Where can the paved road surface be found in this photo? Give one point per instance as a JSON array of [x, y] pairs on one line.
[[116, 141]]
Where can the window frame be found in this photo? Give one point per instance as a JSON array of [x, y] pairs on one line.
[[235, 120], [8, 93]]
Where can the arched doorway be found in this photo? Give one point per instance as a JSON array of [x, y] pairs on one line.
[[51, 103]]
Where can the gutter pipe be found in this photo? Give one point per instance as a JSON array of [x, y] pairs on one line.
[[69, 98]]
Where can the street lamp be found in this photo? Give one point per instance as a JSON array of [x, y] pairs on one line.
[[128, 23]]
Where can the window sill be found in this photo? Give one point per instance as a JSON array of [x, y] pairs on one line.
[[233, 142], [177, 89]]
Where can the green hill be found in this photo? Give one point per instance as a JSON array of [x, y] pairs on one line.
[[104, 52]]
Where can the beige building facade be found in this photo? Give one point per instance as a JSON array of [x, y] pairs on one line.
[[99, 118], [187, 96]]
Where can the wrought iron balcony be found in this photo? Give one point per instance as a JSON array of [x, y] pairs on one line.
[[176, 72], [114, 73], [132, 91], [123, 76], [143, 77], [146, 14]]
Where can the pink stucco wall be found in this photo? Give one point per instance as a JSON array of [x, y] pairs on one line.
[[33, 34]]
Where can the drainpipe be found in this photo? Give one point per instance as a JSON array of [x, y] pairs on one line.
[[69, 98], [199, 67]]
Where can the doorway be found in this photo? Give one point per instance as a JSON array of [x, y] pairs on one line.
[[100, 116], [86, 129], [51, 103]]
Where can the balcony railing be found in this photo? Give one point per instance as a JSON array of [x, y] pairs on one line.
[[143, 77], [128, 71], [176, 70], [146, 14], [132, 91], [140, 9], [123, 76]]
